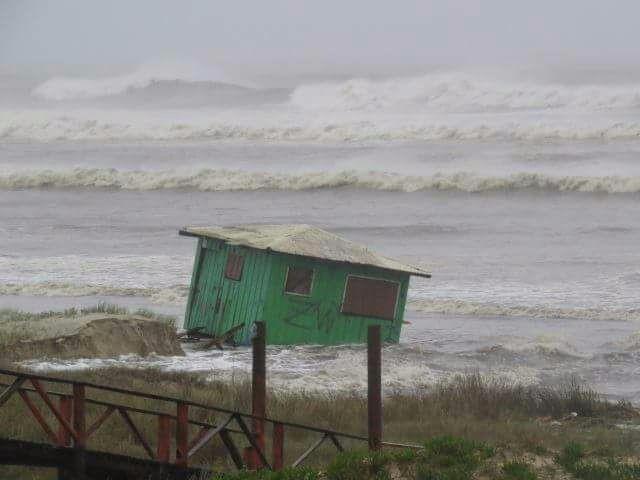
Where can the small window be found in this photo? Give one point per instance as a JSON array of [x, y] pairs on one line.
[[299, 281], [233, 270], [370, 297]]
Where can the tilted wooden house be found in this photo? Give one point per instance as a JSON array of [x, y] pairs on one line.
[[308, 285]]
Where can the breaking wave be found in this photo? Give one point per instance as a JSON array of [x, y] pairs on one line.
[[237, 180], [283, 126], [548, 347], [149, 75], [463, 307], [461, 92], [174, 295]]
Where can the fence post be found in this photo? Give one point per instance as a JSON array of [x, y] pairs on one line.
[[374, 380], [182, 434], [278, 446], [79, 426], [259, 387]]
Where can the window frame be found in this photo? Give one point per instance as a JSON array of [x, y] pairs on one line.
[[286, 278], [229, 256], [369, 277]]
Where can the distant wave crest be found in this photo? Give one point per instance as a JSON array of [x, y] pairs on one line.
[[461, 92], [463, 307], [83, 88], [237, 180]]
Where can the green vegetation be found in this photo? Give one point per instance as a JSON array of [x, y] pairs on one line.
[[518, 470], [442, 458], [574, 459]]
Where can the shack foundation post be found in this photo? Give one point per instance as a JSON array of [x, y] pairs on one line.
[[374, 380]]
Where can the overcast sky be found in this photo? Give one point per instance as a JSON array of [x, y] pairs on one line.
[[327, 32]]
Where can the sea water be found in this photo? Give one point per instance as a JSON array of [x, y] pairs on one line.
[[521, 195]]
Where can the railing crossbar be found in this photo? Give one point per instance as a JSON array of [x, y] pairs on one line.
[[252, 440], [136, 431], [202, 441], [37, 414], [311, 449], [11, 389]]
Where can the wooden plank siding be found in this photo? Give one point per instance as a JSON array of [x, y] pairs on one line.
[[317, 318], [237, 301]]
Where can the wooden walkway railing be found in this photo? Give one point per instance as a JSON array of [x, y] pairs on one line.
[[62, 415]]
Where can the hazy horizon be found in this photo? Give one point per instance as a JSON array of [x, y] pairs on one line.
[[332, 38]]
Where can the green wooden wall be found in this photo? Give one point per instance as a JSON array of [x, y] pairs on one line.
[[317, 319], [218, 303]]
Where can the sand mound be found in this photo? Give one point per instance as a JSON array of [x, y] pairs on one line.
[[94, 335]]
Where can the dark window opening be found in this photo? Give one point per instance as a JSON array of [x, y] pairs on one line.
[[233, 270], [299, 281], [370, 297]]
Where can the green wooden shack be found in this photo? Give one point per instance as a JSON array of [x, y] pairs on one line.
[[309, 286]]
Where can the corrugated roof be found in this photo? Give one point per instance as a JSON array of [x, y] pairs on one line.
[[304, 240]]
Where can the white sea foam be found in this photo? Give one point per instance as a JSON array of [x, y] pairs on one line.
[[282, 125], [463, 307], [461, 92], [174, 295], [546, 346], [237, 180]]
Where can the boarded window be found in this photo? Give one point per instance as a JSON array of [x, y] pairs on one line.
[[299, 281], [370, 297], [233, 270]]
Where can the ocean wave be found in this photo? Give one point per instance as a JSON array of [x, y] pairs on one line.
[[463, 307], [286, 126], [174, 295], [237, 180], [148, 75], [461, 92], [543, 347]]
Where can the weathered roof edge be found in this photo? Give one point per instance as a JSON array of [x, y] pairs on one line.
[[414, 271]]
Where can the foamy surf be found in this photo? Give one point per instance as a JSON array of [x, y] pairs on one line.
[[283, 124], [463, 307], [174, 295], [457, 91], [215, 180]]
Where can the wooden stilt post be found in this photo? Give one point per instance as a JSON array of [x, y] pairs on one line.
[[259, 387], [374, 394]]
